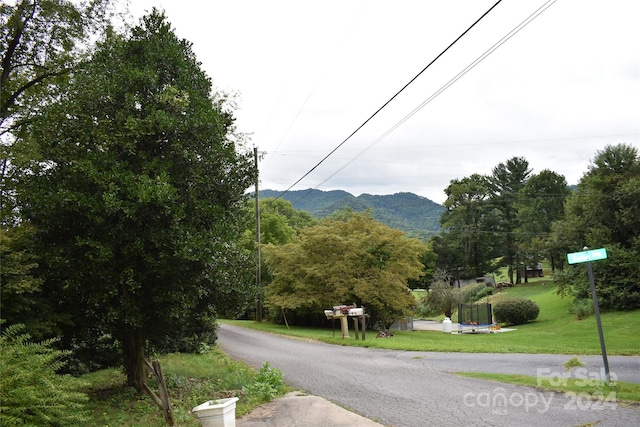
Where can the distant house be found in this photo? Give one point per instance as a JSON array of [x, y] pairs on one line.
[[487, 280], [530, 272]]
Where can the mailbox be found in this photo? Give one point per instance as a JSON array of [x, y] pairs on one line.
[[356, 312]]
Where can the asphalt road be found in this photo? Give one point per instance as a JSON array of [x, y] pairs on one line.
[[400, 388]]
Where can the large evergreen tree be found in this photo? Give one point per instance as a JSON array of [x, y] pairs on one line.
[[506, 180], [137, 199], [466, 246]]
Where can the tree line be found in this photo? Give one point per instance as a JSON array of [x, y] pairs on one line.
[[513, 219]]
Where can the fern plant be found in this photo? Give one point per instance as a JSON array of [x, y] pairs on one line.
[[31, 392]]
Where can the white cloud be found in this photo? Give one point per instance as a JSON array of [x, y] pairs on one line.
[[309, 73]]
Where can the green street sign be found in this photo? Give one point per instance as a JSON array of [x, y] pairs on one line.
[[587, 256]]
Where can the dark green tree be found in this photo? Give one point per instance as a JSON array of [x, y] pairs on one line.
[[506, 180], [41, 41], [604, 211], [540, 203], [137, 199], [466, 221]]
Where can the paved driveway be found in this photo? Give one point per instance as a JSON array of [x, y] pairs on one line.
[[399, 388]]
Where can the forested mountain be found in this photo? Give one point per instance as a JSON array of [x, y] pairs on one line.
[[413, 214]]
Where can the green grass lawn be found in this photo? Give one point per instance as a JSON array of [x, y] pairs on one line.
[[555, 331]]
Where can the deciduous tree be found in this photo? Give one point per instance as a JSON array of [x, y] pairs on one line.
[[356, 260]]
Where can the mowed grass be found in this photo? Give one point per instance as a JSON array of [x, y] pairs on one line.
[[555, 331]]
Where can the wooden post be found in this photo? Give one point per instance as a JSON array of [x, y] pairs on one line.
[[162, 401], [355, 326], [344, 325]]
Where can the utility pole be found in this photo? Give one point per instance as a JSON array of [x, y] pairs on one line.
[[258, 260]]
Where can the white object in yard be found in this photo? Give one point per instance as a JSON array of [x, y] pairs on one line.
[[356, 311], [446, 325], [217, 413]]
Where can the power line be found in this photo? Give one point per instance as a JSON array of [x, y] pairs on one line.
[[468, 68], [295, 119], [389, 101]]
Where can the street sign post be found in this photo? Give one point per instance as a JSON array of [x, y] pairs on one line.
[[588, 256]]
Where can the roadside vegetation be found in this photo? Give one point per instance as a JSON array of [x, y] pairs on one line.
[[192, 379]]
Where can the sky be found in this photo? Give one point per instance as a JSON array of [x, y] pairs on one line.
[[358, 95]]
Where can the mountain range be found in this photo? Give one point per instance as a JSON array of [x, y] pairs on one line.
[[416, 215]]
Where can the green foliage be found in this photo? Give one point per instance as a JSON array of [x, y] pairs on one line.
[[41, 42], [465, 247], [442, 298], [574, 362], [191, 380], [268, 383], [582, 308], [506, 182], [515, 311], [20, 287], [473, 293], [604, 212], [358, 260], [554, 331], [540, 203], [138, 198], [31, 391]]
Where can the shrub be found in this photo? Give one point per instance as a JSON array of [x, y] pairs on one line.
[[515, 311], [582, 308], [423, 311], [442, 298], [474, 293], [268, 383], [32, 392]]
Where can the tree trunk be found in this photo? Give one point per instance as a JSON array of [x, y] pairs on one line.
[[134, 360]]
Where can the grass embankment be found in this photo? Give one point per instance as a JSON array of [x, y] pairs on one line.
[[191, 380]]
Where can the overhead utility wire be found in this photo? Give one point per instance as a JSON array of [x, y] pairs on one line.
[[468, 68], [295, 119], [389, 101]]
